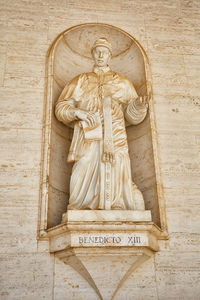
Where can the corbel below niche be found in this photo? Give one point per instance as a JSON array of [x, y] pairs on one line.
[[101, 245]]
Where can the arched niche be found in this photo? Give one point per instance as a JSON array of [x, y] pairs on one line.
[[68, 56]]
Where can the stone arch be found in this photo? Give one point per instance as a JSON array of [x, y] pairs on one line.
[[68, 56]]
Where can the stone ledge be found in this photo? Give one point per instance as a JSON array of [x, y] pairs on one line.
[[106, 216], [104, 229], [103, 239]]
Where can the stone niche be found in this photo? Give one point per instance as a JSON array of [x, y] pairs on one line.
[[127, 237]]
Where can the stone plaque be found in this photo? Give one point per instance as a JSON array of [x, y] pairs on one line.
[[109, 239]]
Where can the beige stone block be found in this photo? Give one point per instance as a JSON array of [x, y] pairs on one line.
[[192, 66], [21, 109], [36, 5], [187, 220], [3, 48], [26, 19], [188, 199], [37, 50], [176, 100], [13, 81], [178, 180], [24, 66], [24, 97], [178, 275], [20, 171], [35, 53], [194, 91], [192, 63], [190, 9], [174, 119], [176, 84], [167, 64], [15, 242], [188, 241], [20, 231], [21, 120], [22, 36], [27, 151], [100, 6], [172, 20], [108, 216], [168, 73], [167, 8], [24, 24], [62, 3], [13, 176], [188, 149], [190, 5], [26, 276], [172, 14], [172, 40], [125, 18]]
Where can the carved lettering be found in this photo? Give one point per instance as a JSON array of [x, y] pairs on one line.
[[99, 240], [110, 240], [134, 240], [137, 239], [130, 239]]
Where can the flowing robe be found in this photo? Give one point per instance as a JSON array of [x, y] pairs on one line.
[[87, 92]]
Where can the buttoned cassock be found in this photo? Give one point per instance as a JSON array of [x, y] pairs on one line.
[[88, 92]]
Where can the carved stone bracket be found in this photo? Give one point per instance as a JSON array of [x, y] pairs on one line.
[[105, 269], [112, 243]]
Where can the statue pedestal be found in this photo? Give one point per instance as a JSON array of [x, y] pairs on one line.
[[104, 228], [107, 216], [105, 247]]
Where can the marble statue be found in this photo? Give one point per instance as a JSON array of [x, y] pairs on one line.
[[97, 104]]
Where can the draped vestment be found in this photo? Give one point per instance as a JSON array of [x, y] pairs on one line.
[[87, 92]]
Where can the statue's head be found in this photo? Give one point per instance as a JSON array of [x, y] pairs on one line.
[[101, 52]]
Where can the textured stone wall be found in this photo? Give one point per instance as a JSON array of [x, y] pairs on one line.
[[169, 32]]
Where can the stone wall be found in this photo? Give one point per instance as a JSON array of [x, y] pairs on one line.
[[169, 32]]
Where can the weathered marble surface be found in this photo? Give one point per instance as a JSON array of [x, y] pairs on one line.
[[168, 30], [98, 104], [107, 216]]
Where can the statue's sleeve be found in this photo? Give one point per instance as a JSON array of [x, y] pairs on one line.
[[67, 103], [134, 112]]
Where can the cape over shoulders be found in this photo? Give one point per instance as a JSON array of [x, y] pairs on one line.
[[110, 75], [75, 85]]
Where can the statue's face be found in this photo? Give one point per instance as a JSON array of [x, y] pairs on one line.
[[101, 56]]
